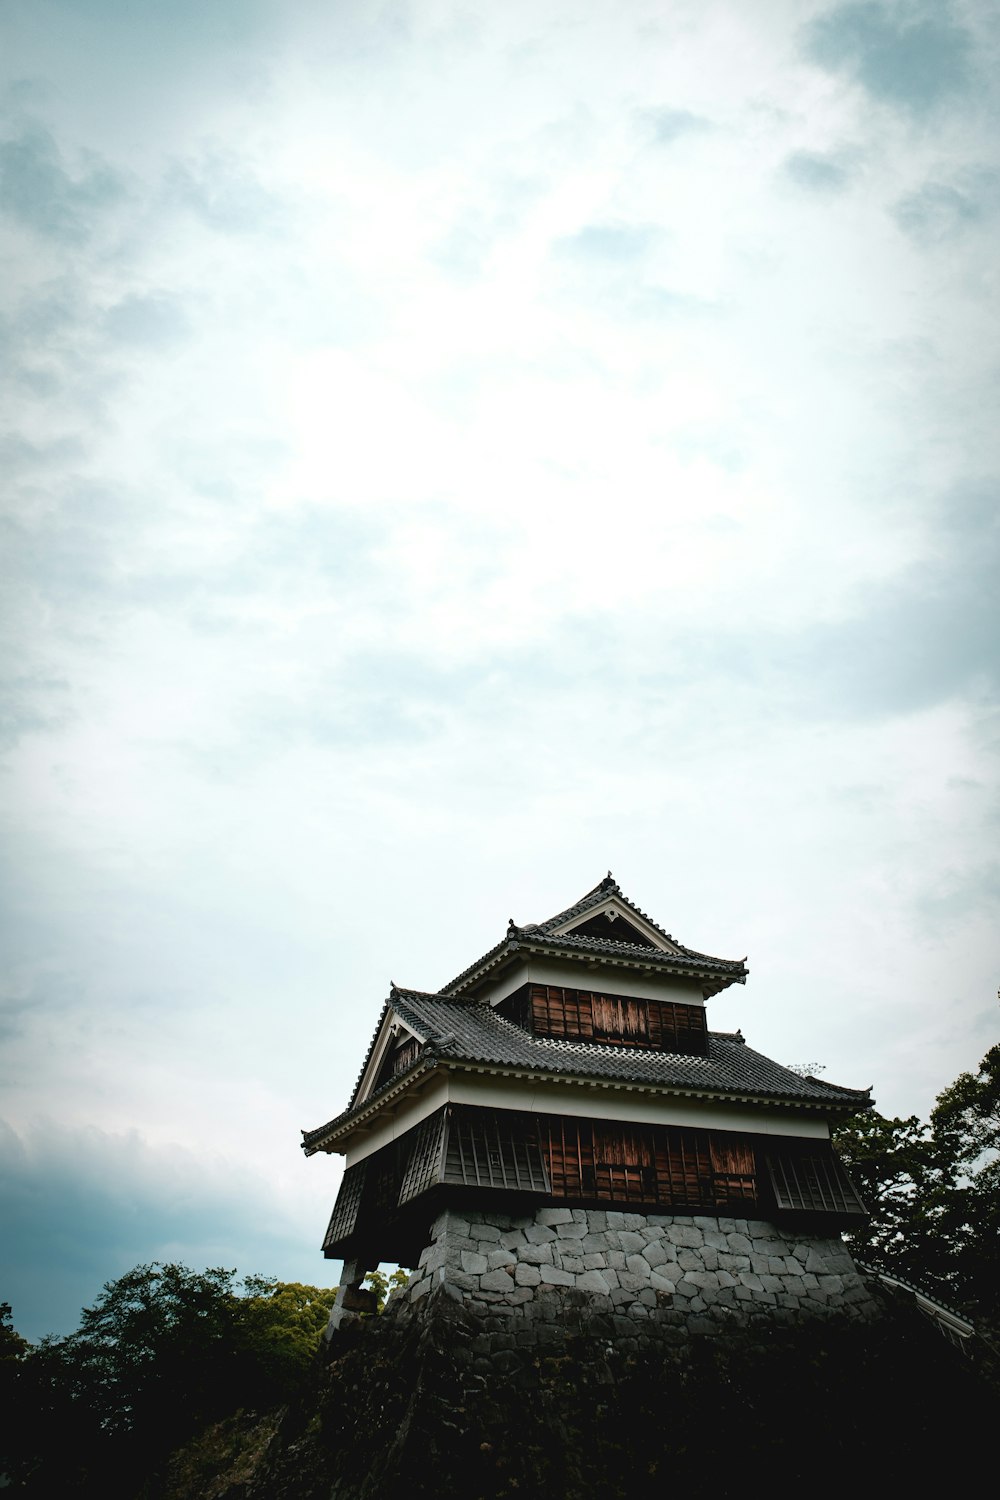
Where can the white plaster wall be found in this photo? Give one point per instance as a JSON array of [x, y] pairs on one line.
[[605, 978], [599, 1102], [412, 1108]]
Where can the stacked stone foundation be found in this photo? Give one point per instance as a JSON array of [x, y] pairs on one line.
[[687, 1273]]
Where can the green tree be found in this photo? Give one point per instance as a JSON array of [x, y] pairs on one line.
[[163, 1352], [12, 1346], [933, 1190], [382, 1285]]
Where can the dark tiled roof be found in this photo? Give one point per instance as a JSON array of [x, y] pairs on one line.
[[474, 1033], [540, 935], [607, 887]]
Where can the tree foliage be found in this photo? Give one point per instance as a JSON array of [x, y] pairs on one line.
[[382, 1284], [933, 1189], [163, 1352]]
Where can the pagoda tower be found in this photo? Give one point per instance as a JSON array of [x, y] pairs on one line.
[[559, 1118]]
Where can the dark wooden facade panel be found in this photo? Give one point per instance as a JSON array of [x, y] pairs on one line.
[[568, 1159], [397, 1060], [617, 1020], [656, 1165]]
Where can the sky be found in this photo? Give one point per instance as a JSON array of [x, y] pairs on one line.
[[451, 451]]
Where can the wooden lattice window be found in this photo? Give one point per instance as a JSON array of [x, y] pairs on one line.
[[560, 1012], [424, 1160], [347, 1207], [678, 1028], [734, 1169], [813, 1182], [495, 1149], [624, 1163], [683, 1168]]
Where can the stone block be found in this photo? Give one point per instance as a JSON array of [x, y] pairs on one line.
[[776, 1265], [463, 1281], [450, 1222], [770, 1247], [738, 1244], [654, 1254], [527, 1275], [593, 1281], [661, 1283], [682, 1234], [473, 1263], [420, 1289], [539, 1234], [703, 1222], [611, 1276], [761, 1264], [497, 1258], [734, 1262], [597, 1220], [434, 1257], [497, 1281], [689, 1260], [630, 1241], [553, 1276], [832, 1285], [759, 1229], [487, 1232], [552, 1216], [572, 1231], [520, 1295], [716, 1240], [710, 1258], [630, 1282], [726, 1278], [572, 1263], [772, 1283], [513, 1239], [536, 1255], [638, 1265], [753, 1281], [615, 1220], [706, 1281], [616, 1260]]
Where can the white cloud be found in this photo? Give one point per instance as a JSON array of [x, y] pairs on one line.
[[454, 454]]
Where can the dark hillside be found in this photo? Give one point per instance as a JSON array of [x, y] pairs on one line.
[[439, 1405]]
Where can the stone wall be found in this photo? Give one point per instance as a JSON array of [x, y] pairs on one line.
[[670, 1270]]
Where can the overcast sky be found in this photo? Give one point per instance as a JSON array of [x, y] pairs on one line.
[[452, 450]]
